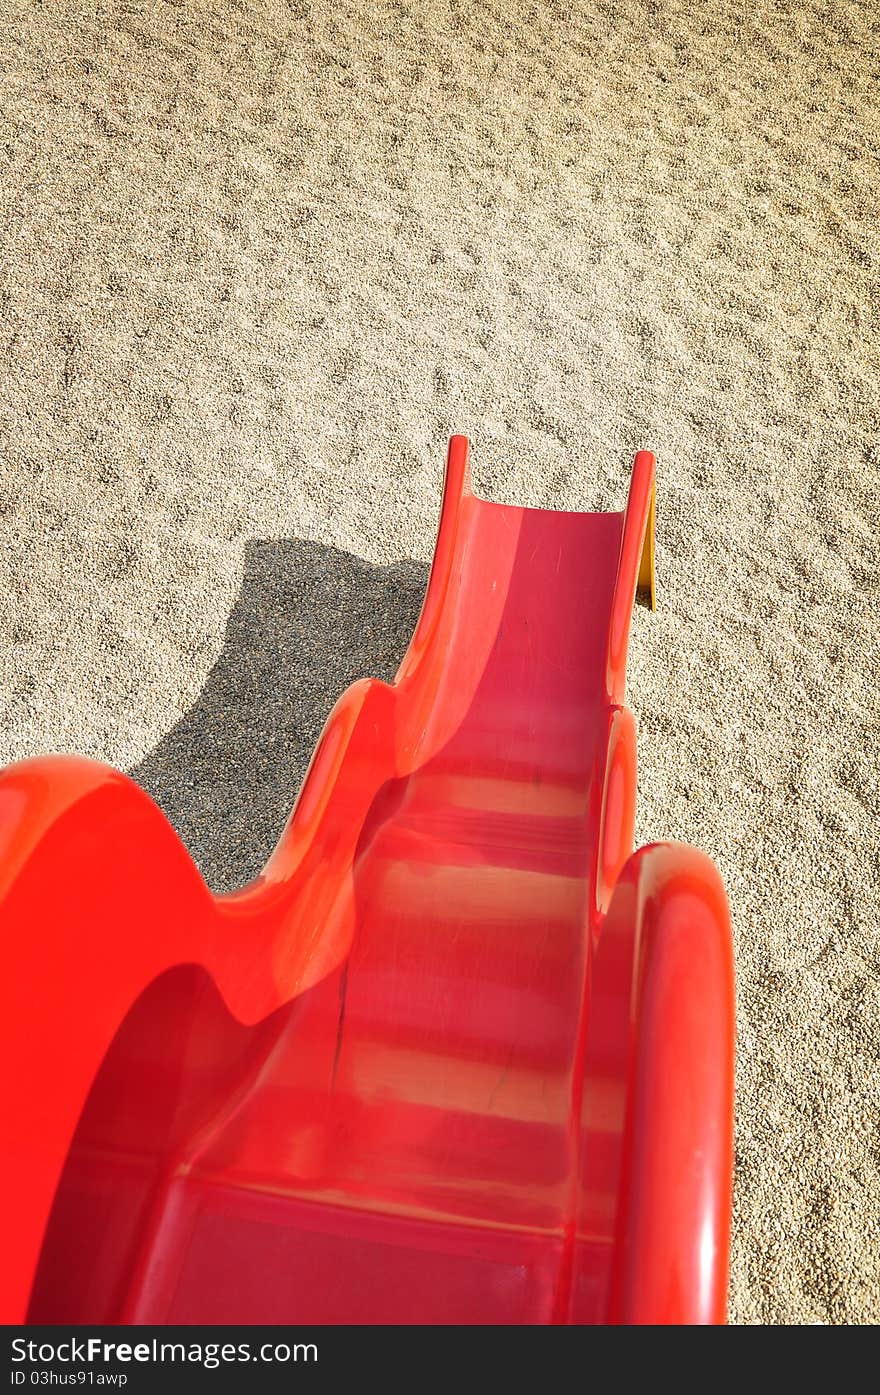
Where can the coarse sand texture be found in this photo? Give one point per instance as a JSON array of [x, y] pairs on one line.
[[259, 260]]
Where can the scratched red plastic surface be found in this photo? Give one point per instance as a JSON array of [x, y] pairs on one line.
[[455, 1056]]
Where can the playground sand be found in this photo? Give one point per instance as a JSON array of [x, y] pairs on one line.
[[260, 260]]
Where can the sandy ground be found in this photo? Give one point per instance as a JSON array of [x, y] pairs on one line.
[[260, 258]]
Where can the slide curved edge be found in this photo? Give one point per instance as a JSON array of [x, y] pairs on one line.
[[658, 1103], [86, 856]]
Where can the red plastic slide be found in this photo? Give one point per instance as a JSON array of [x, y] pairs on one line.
[[457, 1054]]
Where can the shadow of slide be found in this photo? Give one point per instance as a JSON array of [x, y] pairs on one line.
[[308, 621]]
